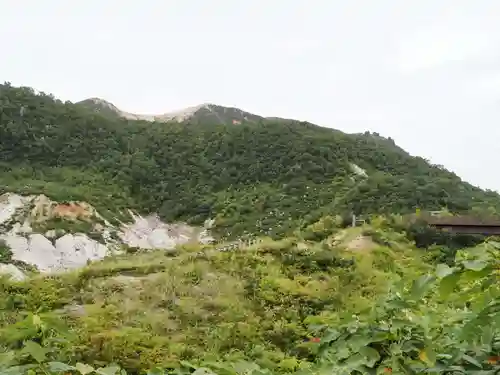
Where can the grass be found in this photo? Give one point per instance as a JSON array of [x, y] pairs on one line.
[[156, 308]]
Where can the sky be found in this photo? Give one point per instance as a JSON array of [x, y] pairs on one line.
[[424, 72]]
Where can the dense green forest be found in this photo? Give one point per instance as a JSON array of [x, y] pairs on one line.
[[262, 177]]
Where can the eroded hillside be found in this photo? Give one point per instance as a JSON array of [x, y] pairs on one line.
[[55, 236]]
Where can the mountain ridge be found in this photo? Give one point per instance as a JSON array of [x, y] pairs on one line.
[[204, 112]]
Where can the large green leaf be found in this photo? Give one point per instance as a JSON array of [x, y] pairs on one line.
[[203, 371], [108, 370], [443, 270], [358, 341], [470, 275], [471, 360], [448, 284], [428, 356], [475, 265], [421, 286], [84, 369], [355, 361], [7, 359], [58, 367], [34, 349], [19, 370], [371, 355], [330, 335]]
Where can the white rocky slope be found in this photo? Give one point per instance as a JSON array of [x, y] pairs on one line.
[[23, 228], [178, 115], [228, 115]]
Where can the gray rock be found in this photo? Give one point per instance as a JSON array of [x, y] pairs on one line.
[[12, 272]]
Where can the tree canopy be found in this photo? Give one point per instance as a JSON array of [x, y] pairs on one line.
[[259, 177]]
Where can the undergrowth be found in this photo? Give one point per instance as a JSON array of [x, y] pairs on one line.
[[287, 306], [155, 309]]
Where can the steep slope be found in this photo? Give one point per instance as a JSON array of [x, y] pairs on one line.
[[42, 235], [200, 114], [103, 107], [265, 178]]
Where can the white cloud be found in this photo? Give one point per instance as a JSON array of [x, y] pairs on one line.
[[488, 84], [436, 46], [300, 45]]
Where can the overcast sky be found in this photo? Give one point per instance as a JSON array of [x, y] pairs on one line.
[[424, 72]]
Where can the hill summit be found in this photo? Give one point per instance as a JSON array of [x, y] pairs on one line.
[[201, 113]]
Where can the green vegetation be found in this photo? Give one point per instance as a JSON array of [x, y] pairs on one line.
[[287, 306], [203, 304], [5, 252], [63, 225], [312, 297], [263, 177]]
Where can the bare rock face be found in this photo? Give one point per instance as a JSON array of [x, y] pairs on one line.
[[33, 249], [151, 233], [12, 272], [56, 250], [69, 251], [76, 250], [9, 204]]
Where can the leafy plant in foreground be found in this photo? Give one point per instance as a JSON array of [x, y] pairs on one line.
[[445, 323], [35, 355]]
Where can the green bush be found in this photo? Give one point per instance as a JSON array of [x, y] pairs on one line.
[[5, 252]]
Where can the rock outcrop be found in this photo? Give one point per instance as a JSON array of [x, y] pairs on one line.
[[12, 272], [68, 251], [25, 229], [151, 233]]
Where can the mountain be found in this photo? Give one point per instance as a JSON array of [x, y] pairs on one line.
[[265, 178], [119, 204], [203, 113]]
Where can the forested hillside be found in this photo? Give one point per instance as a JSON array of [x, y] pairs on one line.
[[260, 177], [385, 297]]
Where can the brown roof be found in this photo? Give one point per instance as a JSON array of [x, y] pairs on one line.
[[463, 220]]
